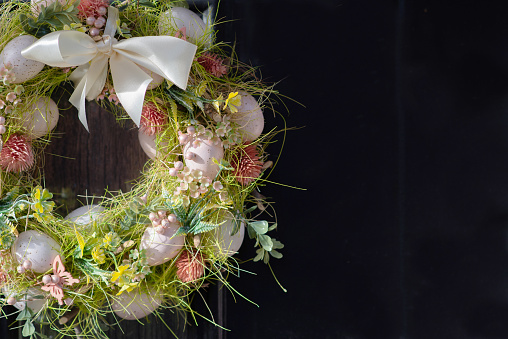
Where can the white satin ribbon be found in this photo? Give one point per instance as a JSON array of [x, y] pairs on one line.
[[167, 56]]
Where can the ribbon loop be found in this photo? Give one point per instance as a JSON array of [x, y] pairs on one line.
[[167, 56]]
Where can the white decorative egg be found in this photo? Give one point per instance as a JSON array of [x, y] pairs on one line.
[[24, 69], [27, 298], [157, 79], [160, 247], [40, 118], [37, 247], [136, 304], [84, 215], [200, 157], [147, 143], [249, 117], [226, 243], [179, 17]]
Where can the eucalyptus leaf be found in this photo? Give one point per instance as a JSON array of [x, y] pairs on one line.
[[251, 232], [271, 228], [134, 207], [275, 254], [266, 242], [250, 209], [260, 254], [28, 329], [261, 227], [24, 314]]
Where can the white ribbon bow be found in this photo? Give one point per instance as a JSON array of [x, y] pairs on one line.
[[167, 56]]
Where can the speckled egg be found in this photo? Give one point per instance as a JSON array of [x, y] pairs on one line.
[[84, 215], [147, 143], [200, 157], [160, 247], [178, 17], [136, 304], [37, 247], [26, 298], [24, 69], [225, 243], [40, 118], [249, 117]]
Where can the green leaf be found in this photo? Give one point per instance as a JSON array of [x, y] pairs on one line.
[[271, 228], [250, 209], [266, 242], [24, 314], [251, 232], [261, 227], [260, 254], [134, 207], [203, 226], [275, 254], [28, 329], [277, 244], [181, 231]]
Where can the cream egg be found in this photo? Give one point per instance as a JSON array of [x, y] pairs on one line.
[[249, 117], [33, 297], [200, 157], [148, 144], [22, 68], [39, 248], [40, 118], [136, 304], [161, 247], [224, 242], [179, 17], [85, 215]]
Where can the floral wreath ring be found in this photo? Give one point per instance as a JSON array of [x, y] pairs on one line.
[[177, 230]]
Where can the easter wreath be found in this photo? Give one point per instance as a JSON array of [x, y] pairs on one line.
[[177, 230]]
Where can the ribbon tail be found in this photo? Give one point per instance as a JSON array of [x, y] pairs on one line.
[[96, 75], [77, 99], [130, 87]]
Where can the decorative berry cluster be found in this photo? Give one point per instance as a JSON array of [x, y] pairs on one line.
[[161, 221], [195, 134], [11, 98], [96, 23]]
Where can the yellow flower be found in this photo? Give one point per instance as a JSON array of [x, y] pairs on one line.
[[122, 275], [98, 255], [216, 103], [42, 206], [233, 101], [111, 240], [128, 287]]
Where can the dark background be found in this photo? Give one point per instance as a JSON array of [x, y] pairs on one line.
[[402, 229], [402, 232]]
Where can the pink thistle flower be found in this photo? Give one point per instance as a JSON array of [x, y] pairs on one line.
[[89, 8], [190, 266], [17, 154], [246, 164], [152, 119], [213, 64]]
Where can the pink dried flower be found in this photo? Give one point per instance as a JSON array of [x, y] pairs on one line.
[[213, 64], [190, 266], [17, 154], [89, 8], [152, 119], [246, 164]]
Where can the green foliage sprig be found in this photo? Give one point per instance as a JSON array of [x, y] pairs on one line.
[[51, 18]]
